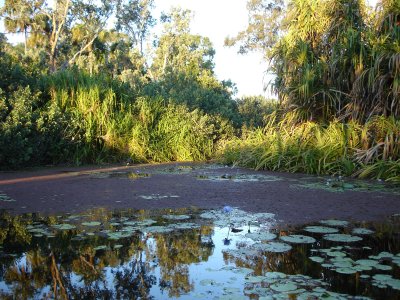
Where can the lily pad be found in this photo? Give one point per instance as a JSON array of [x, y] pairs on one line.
[[64, 226], [273, 247], [346, 270], [335, 223], [91, 224], [298, 239], [317, 259], [336, 254], [344, 238], [283, 287], [367, 262], [320, 229], [362, 231], [176, 217]]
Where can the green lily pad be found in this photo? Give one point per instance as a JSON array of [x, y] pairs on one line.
[[346, 270], [345, 238], [158, 229], [91, 224], [317, 259], [273, 247], [298, 239], [255, 279], [64, 226], [362, 231], [367, 262], [335, 223], [283, 287], [176, 217], [336, 254], [383, 267], [320, 229]]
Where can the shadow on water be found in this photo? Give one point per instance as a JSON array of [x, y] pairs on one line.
[[188, 253]]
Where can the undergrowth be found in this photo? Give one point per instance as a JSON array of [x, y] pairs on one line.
[[348, 149]]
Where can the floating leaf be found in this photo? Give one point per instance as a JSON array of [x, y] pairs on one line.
[[317, 259], [345, 238], [298, 239], [283, 287], [346, 270], [91, 224], [176, 217], [320, 229], [64, 226], [273, 247], [367, 262], [337, 223], [362, 231]]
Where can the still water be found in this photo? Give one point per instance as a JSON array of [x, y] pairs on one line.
[[195, 254]]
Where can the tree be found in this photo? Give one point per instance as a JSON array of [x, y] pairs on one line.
[[135, 19], [20, 16], [180, 51], [90, 18]]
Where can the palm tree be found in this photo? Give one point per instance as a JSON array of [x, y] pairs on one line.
[[20, 15]]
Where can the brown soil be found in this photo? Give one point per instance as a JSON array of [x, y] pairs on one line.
[[60, 190]]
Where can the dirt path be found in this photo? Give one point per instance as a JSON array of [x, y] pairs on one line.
[[57, 190]]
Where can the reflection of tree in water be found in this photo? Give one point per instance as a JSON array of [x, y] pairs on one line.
[[70, 268], [175, 252]]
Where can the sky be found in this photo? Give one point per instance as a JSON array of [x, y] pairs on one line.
[[218, 19]]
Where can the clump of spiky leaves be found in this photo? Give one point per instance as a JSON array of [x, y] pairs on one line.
[[109, 122], [369, 150]]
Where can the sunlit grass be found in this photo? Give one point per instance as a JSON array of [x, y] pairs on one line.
[[369, 150]]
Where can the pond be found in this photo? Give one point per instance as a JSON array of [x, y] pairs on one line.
[[192, 253]]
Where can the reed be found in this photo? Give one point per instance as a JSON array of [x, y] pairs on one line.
[[369, 150]]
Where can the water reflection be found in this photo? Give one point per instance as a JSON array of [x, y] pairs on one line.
[[180, 254]]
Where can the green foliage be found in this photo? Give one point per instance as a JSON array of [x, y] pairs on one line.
[[254, 109], [332, 58], [369, 150], [17, 127]]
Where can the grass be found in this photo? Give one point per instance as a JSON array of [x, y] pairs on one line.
[[349, 149], [109, 123]]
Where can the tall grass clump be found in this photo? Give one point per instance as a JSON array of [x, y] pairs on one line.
[[109, 122], [348, 149]]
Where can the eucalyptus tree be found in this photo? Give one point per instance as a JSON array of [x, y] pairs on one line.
[[90, 19], [180, 51], [134, 17]]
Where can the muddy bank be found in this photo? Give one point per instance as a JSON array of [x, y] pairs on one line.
[[293, 198]]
